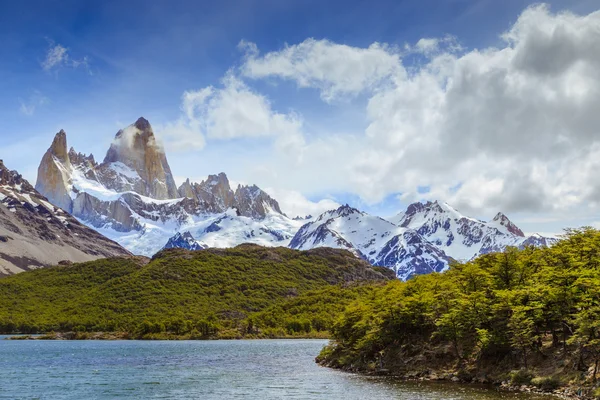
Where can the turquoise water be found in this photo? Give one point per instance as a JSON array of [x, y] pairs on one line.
[[256, 369]]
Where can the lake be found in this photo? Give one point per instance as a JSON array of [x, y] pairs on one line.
[[245, 369]]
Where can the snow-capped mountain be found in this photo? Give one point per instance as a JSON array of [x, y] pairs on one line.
[[376, 240], [184, 241], [462, 237], [35, 233], [132, 198]]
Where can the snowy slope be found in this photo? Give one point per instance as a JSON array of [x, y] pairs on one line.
[[378, 241], [462, 237], [211, 230]]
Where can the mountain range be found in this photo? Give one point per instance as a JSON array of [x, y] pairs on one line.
[[131, 197]]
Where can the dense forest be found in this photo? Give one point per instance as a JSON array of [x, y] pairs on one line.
[[247, 291], [528, 316]]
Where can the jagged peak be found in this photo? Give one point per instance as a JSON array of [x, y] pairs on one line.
[[58, 148], [215, 179], [500, 217], [503, 220], [345, 210], [142, 124]]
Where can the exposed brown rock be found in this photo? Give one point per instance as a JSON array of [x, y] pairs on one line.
[[54, 173], [136, 147]]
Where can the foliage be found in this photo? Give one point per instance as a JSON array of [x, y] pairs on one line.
[[503, 308], [546, 383], [230, 293]]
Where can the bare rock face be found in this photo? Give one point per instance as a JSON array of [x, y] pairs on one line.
[[187, 190], [503, 221], [54, 173], [136, 148], [34, 233], [215, 195], [253, 202], [216, 189]]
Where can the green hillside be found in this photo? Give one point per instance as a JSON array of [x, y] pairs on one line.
[[210, 293], [535, 312]]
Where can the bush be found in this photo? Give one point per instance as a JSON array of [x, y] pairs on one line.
[[546, 383], [520, 377], [596, 393]]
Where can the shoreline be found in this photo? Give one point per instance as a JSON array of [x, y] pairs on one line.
[[111, 336], [568, 392]]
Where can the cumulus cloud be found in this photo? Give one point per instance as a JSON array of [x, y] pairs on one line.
[[512, 128], [233, 111], [58, 56], [336, 69]]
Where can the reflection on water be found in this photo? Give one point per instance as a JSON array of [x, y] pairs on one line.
[[257, 369]]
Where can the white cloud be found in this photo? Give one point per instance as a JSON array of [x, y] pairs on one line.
[[28, 107], [513, 128], [233, 111], [294, 204], [335, 69], [58, 56]]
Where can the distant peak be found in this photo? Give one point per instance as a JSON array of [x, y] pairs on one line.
[[499, 216], [142, 124], [503, 220], [346, 210]]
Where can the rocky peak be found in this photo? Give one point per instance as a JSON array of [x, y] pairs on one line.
[[345, 210], [58, 148], [136, 148], [503, 220], [183, 241], [54, 173], [218, 186], [142, 124], [415, 208], [81, 160], [217, 182], [252, 201], [13, 179], [187, 190]]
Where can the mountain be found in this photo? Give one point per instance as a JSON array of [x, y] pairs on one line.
[[462, 237], [374, 239], [34, 233], [132, 198], [184, 241]]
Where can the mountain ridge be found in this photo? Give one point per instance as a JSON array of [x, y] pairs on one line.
[[131, 197]]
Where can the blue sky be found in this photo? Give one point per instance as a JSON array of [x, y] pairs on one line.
[[121, 60]]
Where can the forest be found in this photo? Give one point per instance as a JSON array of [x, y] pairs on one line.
[[529, 316]]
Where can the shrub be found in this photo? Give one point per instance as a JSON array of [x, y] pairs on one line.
[[546, 383], [520, 377]]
